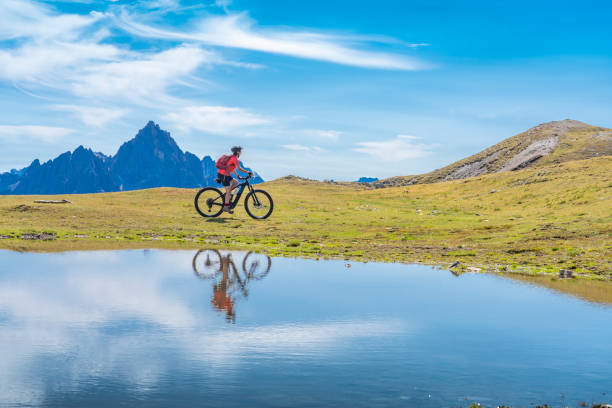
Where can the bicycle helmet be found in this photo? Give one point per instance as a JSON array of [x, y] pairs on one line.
[[236, 149]]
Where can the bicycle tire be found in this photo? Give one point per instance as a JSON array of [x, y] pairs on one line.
[[254, 272], [215, 261], [252, 194], [209, 214]]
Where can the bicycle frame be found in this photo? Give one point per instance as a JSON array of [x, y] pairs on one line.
[[241, 187]]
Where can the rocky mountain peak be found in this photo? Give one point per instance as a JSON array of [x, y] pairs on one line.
[[558, 126], [82, 151], [151, 159], [153, 136], [544, 144]]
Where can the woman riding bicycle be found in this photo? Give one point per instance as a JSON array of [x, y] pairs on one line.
[[227, 165], [212, 202]]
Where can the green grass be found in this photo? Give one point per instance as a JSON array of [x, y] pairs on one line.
[[537, 221]]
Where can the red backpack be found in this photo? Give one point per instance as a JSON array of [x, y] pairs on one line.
[[222, 162]]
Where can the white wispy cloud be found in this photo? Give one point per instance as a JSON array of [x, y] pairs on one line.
[[92, 115], [332, 135], [23, 18], [49, 47], [142, 79], [299, 147], [399, 148], [162, 4], [71, 53], [409, 137], [52, 64], [223, 3], [30, 133], [214, 119], [239, 31]]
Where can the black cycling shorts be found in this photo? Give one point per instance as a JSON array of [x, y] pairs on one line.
[[224, 180]]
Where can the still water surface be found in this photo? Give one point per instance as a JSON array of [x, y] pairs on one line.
[[164, 328]]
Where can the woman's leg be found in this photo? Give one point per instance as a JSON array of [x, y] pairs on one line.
[[228, 191]]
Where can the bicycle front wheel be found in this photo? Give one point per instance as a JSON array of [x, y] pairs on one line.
[[256, 266], [209, 202], [258, 204]]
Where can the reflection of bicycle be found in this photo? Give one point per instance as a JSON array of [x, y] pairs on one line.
[[229, 284], [207, 264], [210, 263], [258, 204]]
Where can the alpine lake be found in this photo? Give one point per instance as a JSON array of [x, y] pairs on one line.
[[161, 328]]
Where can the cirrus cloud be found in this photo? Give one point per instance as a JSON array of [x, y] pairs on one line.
[[214, 119], [399, 148], [302, 148], [75, 55], [332, 135], [91, 115], [239, 31], [143, 79], [32, 133]]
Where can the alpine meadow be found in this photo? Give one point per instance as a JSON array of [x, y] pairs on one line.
[[247, 203]]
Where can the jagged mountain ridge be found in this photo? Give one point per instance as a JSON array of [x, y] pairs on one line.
[[151, 159], [544, 144]]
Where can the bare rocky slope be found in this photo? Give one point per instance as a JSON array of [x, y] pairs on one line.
[[545, 144]]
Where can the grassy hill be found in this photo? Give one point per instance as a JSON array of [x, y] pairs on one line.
[[538, 219], [543, 145]]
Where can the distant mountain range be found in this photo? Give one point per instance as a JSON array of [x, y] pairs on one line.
[[366, 179], [151, 159], [542, 145]]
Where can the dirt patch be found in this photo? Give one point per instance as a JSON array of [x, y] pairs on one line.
[[531, 153], [43, 236], [22, 208]]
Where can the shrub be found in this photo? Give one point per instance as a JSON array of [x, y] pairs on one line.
[[293, 243]]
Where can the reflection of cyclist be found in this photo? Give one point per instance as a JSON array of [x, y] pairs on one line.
[[226, 165], [222, 300], [229, 284]]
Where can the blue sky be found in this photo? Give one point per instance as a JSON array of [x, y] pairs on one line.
[[321, 89]]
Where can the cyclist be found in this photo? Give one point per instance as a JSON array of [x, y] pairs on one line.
[[224, 176]]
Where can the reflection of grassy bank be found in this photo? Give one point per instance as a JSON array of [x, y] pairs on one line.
[[596, 291], [535, 220]]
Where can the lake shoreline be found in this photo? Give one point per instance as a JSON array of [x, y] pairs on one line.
[[85, 244], [527, 222]]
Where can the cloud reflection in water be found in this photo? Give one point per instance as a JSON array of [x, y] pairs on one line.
[[70, 319]]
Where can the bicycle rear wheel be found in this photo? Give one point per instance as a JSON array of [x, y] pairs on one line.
[[258, 204], [209, 202], [206, 263]]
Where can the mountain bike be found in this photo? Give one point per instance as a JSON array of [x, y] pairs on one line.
[[258, 203]]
